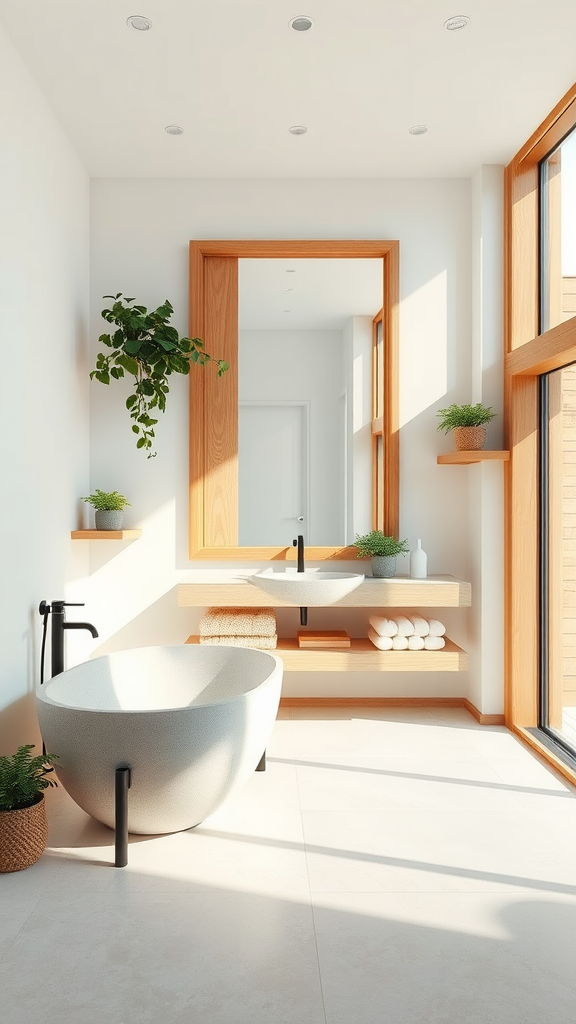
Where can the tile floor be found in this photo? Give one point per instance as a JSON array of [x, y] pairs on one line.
[[390, 867]]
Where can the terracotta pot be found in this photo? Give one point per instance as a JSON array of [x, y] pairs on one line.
[[23, 836], [469, 439]]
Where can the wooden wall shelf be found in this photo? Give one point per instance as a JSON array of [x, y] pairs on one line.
[[467, 458], [398, 592], [106, 534], [363, 656]]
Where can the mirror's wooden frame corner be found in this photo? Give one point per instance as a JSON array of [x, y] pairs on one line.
[[213, 516]]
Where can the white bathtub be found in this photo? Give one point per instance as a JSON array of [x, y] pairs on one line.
[[192, 722]]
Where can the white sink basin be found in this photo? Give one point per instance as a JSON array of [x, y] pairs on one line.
[[307, 589]]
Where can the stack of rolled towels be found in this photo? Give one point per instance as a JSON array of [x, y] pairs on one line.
[[406, 633], [239, 627]]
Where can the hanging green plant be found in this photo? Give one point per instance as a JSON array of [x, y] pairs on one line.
[[147, 347]]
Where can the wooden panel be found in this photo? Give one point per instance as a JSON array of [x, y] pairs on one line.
[[221, 403], [467, 458], [545, 353], [522, 305], [547, 756], [391, 702], [106, 534], [213, 488], [392, 391], [522, 555], [363, 656], [400, 592]]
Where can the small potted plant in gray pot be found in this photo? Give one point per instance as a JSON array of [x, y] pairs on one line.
[[382, 550], [109, 509], [467, 422], [23, 824]]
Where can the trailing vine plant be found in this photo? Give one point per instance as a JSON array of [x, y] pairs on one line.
[[147, 347]]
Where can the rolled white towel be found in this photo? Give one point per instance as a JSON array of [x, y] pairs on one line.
[[415, 643], [434, 643], [399, 643], [404, 626], [421, 627], [382, 626], [436, 628], [383, 643]]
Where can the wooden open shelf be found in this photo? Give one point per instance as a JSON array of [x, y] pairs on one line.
[[398, 592], [106, 534], [363, 656], [467, 458]]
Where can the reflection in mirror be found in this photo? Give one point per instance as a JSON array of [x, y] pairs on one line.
[[305, 398]]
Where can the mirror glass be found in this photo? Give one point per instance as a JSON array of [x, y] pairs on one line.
[[305, 398]]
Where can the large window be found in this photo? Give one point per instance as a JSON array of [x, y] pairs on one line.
[[540, 389]]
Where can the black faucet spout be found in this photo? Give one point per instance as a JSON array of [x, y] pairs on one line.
[[81, 625], [299, 543], [59, 624]]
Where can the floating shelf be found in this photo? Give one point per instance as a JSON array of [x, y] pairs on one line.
[[106, 534], [467, 458], [363, 656], [398, 592]]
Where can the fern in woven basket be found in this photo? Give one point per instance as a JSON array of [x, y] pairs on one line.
[[464, 416], [23, 778]]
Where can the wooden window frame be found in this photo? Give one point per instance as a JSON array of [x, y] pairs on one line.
[[213, 449], [528, 354]]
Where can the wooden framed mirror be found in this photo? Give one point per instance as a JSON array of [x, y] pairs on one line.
[[214, 480]]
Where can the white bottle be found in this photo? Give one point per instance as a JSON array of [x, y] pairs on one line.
[[418, 563]]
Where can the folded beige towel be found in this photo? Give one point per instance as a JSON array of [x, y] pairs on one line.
[[415, 643], [434, 643], [382, 626], [264, 643], [421, 627], [400, 643], [383, 643], [238, 622], [403, 626], [436, 628]]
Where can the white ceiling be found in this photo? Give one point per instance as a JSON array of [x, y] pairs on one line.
[[309, 294], [235, 77]]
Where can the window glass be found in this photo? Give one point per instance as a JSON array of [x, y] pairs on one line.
[[558, 235]]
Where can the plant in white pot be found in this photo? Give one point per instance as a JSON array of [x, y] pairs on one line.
[[467, 422], [23, 824], [382, 550], [109, 509]]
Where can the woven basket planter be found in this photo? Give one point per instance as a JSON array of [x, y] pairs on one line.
[[23, 836], [469, 439]]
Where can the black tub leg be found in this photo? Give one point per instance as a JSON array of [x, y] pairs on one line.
[[122, 785], [261, 766]]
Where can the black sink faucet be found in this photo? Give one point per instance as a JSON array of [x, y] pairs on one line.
[[59, 624], [299, 543]]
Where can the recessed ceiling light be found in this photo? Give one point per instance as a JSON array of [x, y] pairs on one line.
[[285, 310], [174, 129], [290, 271], [456, 23], [139, 23], [418, 129], [302, 23], [297, 129]]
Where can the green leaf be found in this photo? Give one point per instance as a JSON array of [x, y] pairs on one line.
[[141, 442], [135, 428], [131, 400]]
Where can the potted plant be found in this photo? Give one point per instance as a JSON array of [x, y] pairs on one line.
[[382, 550], [147, 347], [108, 506], [467, 422], [23, 825]]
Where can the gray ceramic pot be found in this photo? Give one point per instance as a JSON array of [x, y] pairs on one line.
[[383, 565], [110, 519]]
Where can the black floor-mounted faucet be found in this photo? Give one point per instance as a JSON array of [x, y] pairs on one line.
[[59, 624], [299, 543]]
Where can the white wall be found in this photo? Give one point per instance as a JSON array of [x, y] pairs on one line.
[[140, 231], [44, 218]]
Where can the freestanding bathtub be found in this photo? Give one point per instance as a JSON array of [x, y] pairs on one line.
[[191, 722]]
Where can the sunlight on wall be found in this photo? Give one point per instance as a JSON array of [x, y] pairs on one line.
[[424, 352], [123, 585]]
